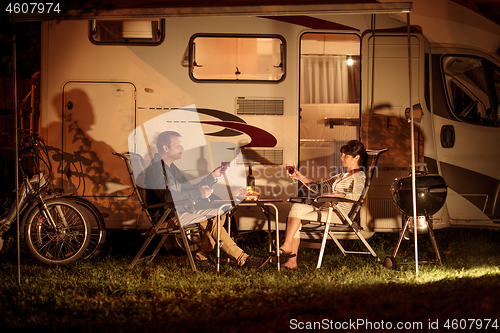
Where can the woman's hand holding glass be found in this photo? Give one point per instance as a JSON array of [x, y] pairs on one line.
[[296, 175], [292, 172]]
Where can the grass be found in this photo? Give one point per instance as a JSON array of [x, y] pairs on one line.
[[102, 295]]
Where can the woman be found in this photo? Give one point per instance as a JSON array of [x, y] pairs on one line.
[[349, 185]]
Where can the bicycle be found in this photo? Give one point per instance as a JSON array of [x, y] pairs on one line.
[[56, 228], [72, 162]]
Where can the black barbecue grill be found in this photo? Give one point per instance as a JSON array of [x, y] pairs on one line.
[[431, 191]]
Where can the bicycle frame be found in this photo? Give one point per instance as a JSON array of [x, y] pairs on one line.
[[31, 193], [24, 201]]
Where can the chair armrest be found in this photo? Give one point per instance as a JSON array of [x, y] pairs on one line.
[[309, 201], [204, 204], [158, 205], [302, 200], [170, 204], [336, 200]]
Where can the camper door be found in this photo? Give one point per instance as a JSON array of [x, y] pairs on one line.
[[466, 90], [97, 119], [385, 117]]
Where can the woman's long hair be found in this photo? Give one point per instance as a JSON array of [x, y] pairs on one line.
[[354, 148]]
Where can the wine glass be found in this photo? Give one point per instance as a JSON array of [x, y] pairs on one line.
[[225, 164], [290, 168]]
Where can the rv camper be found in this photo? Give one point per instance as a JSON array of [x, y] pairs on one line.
[[286, 84]]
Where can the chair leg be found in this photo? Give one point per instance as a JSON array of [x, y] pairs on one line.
[[151, 233], [360, 237], [325, 237], [336, 241], [369, 248], [137, 258], [188, 250], [158, 247]]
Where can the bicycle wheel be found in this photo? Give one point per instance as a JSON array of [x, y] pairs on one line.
[[97, 227], [63, 241]]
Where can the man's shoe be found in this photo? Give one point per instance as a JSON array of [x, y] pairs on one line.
[[256, 262], [202, 264]]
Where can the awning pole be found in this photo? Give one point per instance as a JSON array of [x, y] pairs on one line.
[[412, 127], [373, 65], [14, 65]]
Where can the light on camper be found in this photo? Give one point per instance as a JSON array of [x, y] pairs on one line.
[[350, 62]]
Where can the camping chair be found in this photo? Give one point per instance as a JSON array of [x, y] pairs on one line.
[[348, 220], [136, 162]]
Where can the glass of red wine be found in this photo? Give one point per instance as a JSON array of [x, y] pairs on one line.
[[225, 166], [290, 168]]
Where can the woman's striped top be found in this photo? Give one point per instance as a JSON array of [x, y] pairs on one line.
[[350, 184]]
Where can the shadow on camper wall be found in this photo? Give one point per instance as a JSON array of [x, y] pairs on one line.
[[84, 165], [379, 130]]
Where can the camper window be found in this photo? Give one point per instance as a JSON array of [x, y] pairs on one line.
[[237, 58], [127, 32], [472, 89]]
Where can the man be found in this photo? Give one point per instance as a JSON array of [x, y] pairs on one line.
[[166, 183]]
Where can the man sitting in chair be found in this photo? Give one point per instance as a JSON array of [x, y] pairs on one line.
[[166, 183], [349, 185]]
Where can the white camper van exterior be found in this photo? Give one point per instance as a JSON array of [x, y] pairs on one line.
[[276, 105]]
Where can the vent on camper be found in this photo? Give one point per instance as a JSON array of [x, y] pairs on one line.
[[261, 156], [260, 106], [383, 209]]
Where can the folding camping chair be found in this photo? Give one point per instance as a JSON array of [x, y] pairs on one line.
[[348, 220], [136, 162]]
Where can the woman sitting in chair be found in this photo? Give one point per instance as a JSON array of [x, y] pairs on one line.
[[349, 185]]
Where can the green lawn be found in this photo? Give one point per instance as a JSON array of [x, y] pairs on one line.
[[347, 293]]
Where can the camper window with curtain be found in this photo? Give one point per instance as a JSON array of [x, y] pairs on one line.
[[237, 58], [127, 32]]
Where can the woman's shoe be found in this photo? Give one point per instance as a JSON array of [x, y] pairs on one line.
[[283, 254]]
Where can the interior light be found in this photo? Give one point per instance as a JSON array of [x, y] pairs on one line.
[[350, 61]]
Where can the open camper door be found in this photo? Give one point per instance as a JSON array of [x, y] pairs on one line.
[[329, 100], [385, 111], [466, 90]]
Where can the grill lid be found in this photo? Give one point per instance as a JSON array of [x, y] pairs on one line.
[[431, 194]]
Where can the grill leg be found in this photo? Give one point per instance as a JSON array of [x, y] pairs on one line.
[[433, 240], [401, 236], [390, 261]]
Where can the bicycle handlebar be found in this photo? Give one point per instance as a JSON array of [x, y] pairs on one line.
[[32, 143]]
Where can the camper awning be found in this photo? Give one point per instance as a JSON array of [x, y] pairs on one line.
[[154, 9]]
